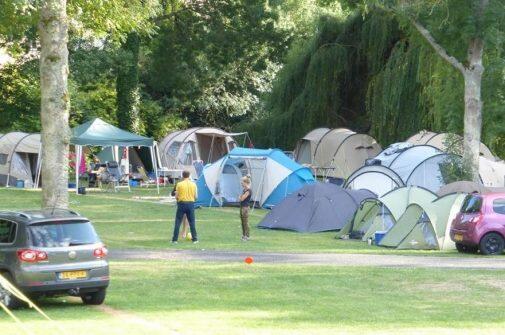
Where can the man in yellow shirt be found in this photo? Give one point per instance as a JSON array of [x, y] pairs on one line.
[[186, 195]]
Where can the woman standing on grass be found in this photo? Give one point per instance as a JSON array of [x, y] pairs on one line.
[[244, 200]]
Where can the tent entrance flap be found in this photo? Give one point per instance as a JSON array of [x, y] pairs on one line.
[[229, 187], [211, 147], [229, 183]]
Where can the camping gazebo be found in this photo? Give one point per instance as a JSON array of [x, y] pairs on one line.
[[101, 134]]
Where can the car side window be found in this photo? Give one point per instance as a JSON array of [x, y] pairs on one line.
[[499, 206], [7, 231]]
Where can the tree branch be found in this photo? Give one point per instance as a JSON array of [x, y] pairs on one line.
[[438, 48]]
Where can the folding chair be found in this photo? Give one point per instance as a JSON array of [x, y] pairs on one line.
[[144, 178], [113, 176]]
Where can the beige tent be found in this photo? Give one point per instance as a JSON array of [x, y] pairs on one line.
[[425, 226], [382, 213], [19, 158], [306, 147], [492, 172], [337, 152], [462, 187], [181, 149], [442, 140]]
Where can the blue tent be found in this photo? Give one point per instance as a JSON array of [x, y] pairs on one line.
[[274, 176]]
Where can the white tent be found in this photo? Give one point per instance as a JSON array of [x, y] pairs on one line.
[[274, 176], [491, 172], [420, 165], [376, 178], [182, 148], [19, 158]]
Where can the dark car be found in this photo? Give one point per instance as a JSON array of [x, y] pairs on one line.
[[480, 224], [52, 252]]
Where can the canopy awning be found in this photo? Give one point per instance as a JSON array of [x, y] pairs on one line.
[[99, 133]]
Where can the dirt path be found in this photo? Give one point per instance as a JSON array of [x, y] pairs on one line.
[[497, 263]]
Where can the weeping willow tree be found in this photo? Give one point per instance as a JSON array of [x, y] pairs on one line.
[[374, 75]]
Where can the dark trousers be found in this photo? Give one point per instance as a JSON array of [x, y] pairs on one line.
[[187, 208]]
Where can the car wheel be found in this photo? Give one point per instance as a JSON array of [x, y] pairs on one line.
[[491, 244], [7, 298], [466, 248], [95, 298]]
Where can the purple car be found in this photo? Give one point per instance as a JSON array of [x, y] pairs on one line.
[[480, 224]]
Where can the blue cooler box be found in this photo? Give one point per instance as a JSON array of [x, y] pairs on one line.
[[20, 183], [379, 235]]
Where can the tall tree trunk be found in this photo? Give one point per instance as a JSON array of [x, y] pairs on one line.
[[55, 102], [127, 84], [473, 107], [472, 74]]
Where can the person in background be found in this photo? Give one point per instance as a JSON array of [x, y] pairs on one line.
[[245, 199], [93, 172], [186, 195]]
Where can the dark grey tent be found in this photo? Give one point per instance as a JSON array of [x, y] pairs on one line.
[[315, 208]]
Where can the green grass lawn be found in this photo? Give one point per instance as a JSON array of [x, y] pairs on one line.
[[175, 297], [154, 297], [124, 220]]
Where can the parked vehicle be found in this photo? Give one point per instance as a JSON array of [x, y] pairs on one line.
[[52, 252], [480, 225]]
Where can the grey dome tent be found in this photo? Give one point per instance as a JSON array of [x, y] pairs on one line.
[[315, 208], [336, 152], [19, 158], [182, 148]]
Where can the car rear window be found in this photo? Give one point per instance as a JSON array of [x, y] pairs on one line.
[[499, 206], [62, 234], [7, 231], [472, 204]]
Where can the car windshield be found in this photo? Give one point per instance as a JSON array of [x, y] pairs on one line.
[[63, 234], [472, 204]]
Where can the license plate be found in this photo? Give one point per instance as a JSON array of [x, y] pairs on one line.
[[458, 237], [73, 275]]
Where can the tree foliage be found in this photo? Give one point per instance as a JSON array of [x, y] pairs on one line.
[[373, 73]]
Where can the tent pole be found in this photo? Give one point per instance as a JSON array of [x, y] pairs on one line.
[[223, 163], [37, 172], [155, 167], [262, 184], [157, 152], [128, 168], [115, 154], [209, 158], [78, 150]]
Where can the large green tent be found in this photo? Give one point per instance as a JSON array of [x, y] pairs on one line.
[[425, 226], [382, 213], [100, 133]]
